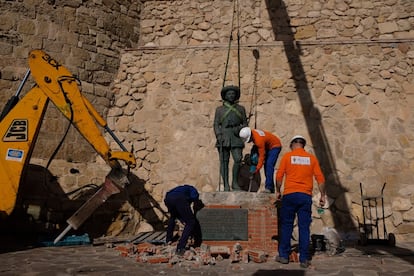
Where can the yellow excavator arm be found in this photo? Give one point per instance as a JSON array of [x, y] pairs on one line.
[[18, 130], [20, 124], [58, 84]]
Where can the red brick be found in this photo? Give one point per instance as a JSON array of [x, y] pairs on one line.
[[153, 259], [294, 257], [124, 250], [157, 259], [262, 226], [257, 256], [143, 247], [124, 254]]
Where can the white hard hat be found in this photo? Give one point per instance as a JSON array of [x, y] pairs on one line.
[[298, 137], [245, 134]]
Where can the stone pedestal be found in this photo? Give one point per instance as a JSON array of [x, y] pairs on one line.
[[261, 219]]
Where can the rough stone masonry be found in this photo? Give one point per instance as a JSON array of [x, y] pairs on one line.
[[337, 72]]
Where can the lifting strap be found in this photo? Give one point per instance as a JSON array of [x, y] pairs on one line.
[[235, 15], [253, 101], [230, 108]]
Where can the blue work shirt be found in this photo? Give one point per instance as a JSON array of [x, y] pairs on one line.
[[190, 193]]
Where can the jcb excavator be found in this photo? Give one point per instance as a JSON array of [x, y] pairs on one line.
[[20, 123]]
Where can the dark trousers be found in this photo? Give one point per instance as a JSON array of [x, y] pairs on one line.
[[179, 208], [299, 204], [269, 165]]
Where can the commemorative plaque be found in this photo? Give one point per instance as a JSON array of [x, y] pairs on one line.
[[221, 224]]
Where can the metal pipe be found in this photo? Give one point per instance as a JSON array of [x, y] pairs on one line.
[[26, 76], [62, 234], [115, 138]]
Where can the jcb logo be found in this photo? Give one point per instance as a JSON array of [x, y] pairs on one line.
[[51, 61], [17, 131]]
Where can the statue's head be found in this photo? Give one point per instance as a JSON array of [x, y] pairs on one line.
[[230, 93]]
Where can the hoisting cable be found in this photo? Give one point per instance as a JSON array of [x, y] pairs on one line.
[[235, 12], [253, 102], [238, 41]]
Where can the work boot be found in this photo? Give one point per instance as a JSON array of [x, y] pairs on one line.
[[281, 260], [180, 252], [305, 264]]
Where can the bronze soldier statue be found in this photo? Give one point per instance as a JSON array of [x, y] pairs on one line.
[[229, 119]]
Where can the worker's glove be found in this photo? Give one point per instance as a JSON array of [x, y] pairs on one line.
[[253, 169], [198, 205], [278, 202]]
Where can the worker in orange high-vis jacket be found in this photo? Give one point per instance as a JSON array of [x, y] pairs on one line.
[[269, 147], [298, 168]]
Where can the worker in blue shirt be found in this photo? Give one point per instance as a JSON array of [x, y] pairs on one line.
[[178, 201]]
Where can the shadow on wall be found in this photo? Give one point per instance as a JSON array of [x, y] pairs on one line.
[[42, 209], [283, 32]]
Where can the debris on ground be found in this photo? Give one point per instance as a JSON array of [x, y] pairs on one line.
[[204, 255], [151, 248]]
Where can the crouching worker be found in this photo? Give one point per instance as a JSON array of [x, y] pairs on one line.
[[178, 201]]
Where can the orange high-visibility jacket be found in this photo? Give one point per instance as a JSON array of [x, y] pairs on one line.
[[264, 140], [299, 167]]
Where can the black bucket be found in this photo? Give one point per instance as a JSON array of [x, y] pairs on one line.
[[318, 243]]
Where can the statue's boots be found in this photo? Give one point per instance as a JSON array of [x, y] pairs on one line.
[[225, 175], [235, 182], [226, 185], [235, 187]]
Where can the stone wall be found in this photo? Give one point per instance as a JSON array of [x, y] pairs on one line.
[[86, 37], [337, 72]]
